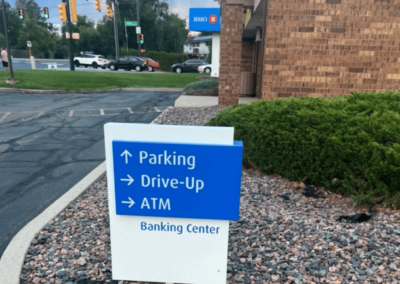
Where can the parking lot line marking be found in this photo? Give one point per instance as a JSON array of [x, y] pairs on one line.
[[156, 109], [101, 111], [71, 113], [4, 116], [130, 110]]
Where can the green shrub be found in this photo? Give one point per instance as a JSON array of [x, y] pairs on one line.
[[129, 52], [203, 84], [167, 59], [350, 145]]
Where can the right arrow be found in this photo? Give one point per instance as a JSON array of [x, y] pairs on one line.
[[130, 179], [131, 202]]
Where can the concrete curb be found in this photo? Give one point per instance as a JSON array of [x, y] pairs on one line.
[[100, 91], [205, 101], [13, 258], [154, 121]]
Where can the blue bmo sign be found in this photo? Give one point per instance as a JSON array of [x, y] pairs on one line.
[[205, 19], [177, 180]]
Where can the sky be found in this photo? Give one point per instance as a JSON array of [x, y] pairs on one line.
[[86, 7]]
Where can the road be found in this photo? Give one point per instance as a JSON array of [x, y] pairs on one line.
[[63, 65], [25, 64], [48, 143]]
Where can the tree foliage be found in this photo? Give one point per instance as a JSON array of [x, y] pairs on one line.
[[31, 9], [14, 24], [42, 40], [162, 30]]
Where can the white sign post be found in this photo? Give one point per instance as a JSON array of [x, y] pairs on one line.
[[146, 169], [33, 63], [138, 30]]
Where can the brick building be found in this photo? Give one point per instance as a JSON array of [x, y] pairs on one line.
[[319, 48]]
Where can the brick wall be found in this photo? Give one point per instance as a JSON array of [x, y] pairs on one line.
[[331, 47], [230, 53]]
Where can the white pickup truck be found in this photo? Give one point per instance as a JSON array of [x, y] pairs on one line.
[[93, 60]]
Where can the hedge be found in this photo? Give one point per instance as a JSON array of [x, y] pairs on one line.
[[129, 52], [167, 59], [348, 144], [203, 84]]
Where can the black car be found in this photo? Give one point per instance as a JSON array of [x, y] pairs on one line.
[[188, 66], [128, 63]]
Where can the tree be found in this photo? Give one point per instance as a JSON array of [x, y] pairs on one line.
[[162, 31], [42, 40], [61, 50], [106, 42], [88, 41], [31, 9], [14, 24], [2, 40], [172, 34]]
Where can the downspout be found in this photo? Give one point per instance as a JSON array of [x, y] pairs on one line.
[[264, 31]]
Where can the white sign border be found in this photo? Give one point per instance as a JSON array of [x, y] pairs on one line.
[[165, 256]]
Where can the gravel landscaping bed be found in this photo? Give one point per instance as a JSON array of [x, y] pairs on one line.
[[188, 115], [282, 236]]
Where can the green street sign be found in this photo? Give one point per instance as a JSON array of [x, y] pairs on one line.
[[132, 24]]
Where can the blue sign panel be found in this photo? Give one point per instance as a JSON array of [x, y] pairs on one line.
[[178, 180], [205, 19]]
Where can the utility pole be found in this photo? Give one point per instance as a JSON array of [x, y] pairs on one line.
[[7, 42], [70, 41], [126, 34], [115, 30], [138, 23]]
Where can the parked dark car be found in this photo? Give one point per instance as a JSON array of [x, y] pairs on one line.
[[128, 63], [188, 66]]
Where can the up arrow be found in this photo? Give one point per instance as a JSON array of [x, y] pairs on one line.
[[126, 154], [130, 202], [130, 179]]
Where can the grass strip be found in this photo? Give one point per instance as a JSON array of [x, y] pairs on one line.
[[67, 80]]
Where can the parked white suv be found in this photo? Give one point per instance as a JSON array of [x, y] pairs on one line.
[[93, 60]]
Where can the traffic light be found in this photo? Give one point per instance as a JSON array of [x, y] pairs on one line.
[[62, 10], [109, 11], [46, 14], [97, 4], [141, 38], [74, 15], [21, 14]]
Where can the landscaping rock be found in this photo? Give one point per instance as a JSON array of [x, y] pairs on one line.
[[202, 92], [188, 115], [298, 240]]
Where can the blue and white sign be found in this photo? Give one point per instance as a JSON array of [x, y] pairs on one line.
[[205, 19], [178, 180], [171, 192]]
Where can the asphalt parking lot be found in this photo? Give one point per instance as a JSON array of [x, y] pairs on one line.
[[48, 143]]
